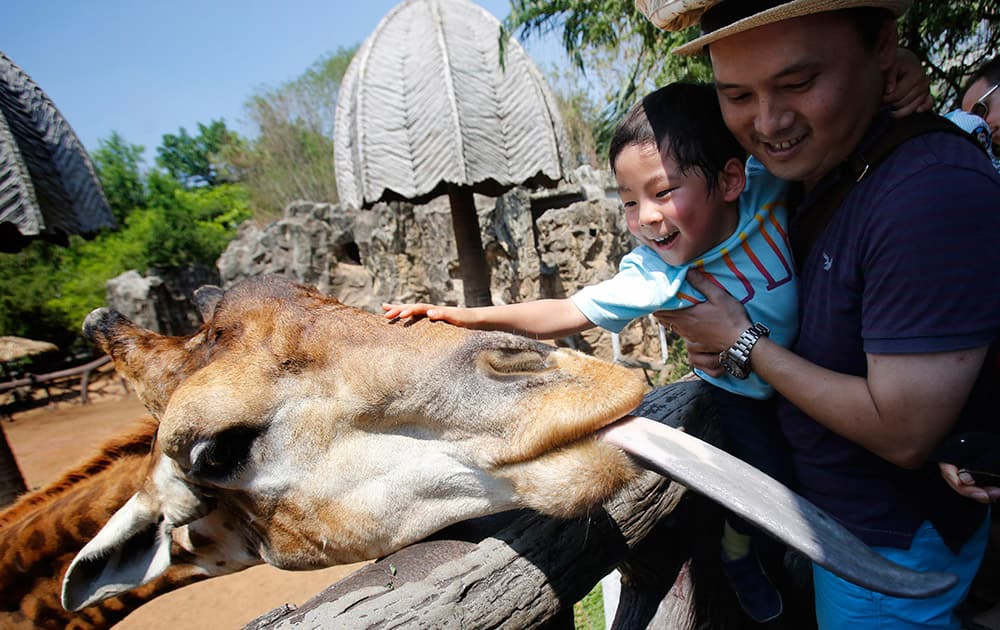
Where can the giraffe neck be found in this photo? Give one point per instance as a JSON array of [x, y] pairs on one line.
[[42, 532]]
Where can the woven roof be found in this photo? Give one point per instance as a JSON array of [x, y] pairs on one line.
[[12, 348], [425, 102], [48, 187]]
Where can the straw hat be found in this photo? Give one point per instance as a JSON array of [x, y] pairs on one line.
[[673, 15]]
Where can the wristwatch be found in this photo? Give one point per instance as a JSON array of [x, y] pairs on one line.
[[736, 358]]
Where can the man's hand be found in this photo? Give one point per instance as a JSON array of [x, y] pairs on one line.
[[708, 328], [963, 483]]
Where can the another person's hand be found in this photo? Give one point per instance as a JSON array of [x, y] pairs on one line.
[[451, 314], [907, 86], [707, 328], [963, 484]]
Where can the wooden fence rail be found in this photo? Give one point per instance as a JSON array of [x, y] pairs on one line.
[[63, 379]]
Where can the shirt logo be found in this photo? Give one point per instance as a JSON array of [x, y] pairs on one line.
[[827, 262]]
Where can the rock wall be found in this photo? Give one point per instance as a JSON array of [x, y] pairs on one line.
[[538, 244], [160, 300]]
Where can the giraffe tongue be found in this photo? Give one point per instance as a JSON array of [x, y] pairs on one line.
[[760, 499]]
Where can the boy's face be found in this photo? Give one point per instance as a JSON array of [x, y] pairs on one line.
[[680, 216]]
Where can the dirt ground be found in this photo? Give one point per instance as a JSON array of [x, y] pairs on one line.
[[50, 440]]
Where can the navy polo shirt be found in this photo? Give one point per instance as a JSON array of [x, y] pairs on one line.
[[910, 263]]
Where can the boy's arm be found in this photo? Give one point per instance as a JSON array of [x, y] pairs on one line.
[[907, 87], [543, 319]]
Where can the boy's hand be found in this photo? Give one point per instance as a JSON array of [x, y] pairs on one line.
[[907, 87], [404, 311], [450, 314]]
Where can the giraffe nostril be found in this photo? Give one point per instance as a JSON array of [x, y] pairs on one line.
[[512, 362]]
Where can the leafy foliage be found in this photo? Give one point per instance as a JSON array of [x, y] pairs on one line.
[[191, 226], [193, 160], [118, 166], [612, 39], [292, 155], [48, 290], [26, 278], [952, 39]]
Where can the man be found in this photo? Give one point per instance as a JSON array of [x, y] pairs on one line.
[[899, 301]]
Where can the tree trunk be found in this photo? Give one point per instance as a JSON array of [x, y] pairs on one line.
[[471, 258], [11, 480]]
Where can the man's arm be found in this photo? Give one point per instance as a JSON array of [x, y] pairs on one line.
[[541, 319], [900, 411]]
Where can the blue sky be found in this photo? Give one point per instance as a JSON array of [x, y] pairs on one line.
[[148, 67]]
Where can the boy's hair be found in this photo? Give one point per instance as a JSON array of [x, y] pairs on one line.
[[684, 121]]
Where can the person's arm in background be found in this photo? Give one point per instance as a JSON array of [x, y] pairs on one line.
[[900, 411], [543, 319], [963, 483], [907, 86]]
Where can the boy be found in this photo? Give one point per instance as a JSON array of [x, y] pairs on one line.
[[691, 202]]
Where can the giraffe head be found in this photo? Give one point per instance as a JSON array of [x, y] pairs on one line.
[[308, 434]]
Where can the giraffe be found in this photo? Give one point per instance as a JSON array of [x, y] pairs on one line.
[[42, 532], [308, 434], [297, 431]]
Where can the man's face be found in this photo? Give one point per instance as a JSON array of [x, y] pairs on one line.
[[799, 94], [992, 102]]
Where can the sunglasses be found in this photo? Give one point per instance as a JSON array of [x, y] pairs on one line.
[[981, 108]]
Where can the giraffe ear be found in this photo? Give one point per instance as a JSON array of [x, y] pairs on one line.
[[206, 298], [130, 550]]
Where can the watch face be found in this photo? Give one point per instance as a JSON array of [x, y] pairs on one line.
[[732, 365]]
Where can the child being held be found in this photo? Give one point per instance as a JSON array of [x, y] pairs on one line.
[[693, 202]]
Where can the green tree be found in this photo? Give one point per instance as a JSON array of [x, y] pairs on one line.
[[292, 155], [118, 166], [610, 42], [952, 39], [631, 56], [194, 160], [26, 278], [192, 225]]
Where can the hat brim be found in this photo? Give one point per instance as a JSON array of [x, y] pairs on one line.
[[787, 11]]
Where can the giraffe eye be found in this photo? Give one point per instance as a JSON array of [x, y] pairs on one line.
[[224, 455]]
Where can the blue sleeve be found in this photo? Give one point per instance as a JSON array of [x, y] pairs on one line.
[[643, 284]]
